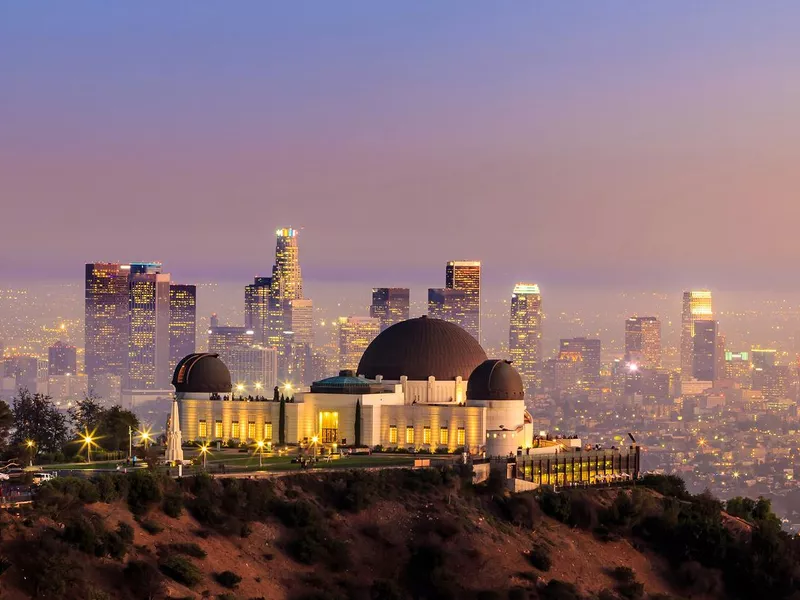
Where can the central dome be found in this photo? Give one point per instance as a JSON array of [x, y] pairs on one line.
[[419, 348]]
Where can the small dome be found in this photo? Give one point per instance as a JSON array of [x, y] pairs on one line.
[[346, 383], [495, 380], [419, 348], [202, 373]]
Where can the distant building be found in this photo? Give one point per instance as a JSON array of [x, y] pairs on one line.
[[182, 322], [447, 305], [465, 275], [23, 372], [696, 306], [390, 306], [224, 339], [525, 334], [256, 308], [738, 368], [148, 332], [705, 348], [643, 342], [590, 351], [106, 320], [254, 370], [777, 382], [355, 334], [763, 357], [62, 359]]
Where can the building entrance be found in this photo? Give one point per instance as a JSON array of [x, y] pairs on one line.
[[329, 427]]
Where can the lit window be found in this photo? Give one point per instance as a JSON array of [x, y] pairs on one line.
[[268, 431], [218, 430], [443, 436], [235, 430], [393, 434], [410, 434], [426, 435], [251, 430], [202, 430], [462, 436]]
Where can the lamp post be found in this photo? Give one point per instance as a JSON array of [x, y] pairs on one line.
[[87, 439], [130, 442], [260, 445], [145, 439], [30, 444], [204, 452]]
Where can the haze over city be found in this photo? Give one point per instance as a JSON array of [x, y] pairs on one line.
[[345, 299]]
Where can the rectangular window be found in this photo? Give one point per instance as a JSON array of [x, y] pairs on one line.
[[268, 431], [251, 430], [462, 436], [393, 434], [202, 430], [443, 436], [410, 434], [235, 430], [218, 430], [426, 435]]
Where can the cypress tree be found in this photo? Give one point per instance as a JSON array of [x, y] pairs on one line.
[[275, 396], [358, 422], [282, 422]]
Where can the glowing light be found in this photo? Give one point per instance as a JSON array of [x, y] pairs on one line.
[[239, 387], [633, 367], [736, 474], [314, 439], [260, 444], [258, 385], [30, 443]]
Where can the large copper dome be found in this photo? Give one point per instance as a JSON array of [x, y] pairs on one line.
[[419, 348]]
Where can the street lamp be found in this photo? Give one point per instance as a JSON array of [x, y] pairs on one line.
[[287, 387], [146, 438], [30, 444], [204, 452], [88, 441], [314, 441], [260, 445]]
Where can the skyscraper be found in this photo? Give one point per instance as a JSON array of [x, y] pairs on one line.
[[589, 351], [355, 334], [106, 320], [643, 342], [254, 369], [286, 285], [696, 306], [704, 355], [525, 334], [182, 322], [222, 339], [61, 359], [389, 305], [256, 307], [447, 305], [148, 332], [465, 275]]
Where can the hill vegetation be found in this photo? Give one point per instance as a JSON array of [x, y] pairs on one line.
[[393, 534]]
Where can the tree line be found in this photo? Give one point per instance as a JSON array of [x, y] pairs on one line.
[[34, 424]]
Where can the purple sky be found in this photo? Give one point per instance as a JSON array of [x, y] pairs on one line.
[[653, 143]]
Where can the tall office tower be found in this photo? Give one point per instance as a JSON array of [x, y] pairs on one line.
[[737, 368], [696, 306], [704, 351], [355, 334], [62, 359], [389, 305], [590, 351], [24, 371], [447, 305], [525, 334], [466, 275], [106, 321], [222, 340], [643, 342], [254, 370], [286, 285], [763, 357], [182, 322], [777, 381], [148, 333], [256, 307]]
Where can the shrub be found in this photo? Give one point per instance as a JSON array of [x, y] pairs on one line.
[[151, 527], [188, 548], [143, 491], [173, 504], [228, 579], [143, 579], [48, 567], [111, 487], [554, 504], [385, 589], [76, 487], [81, 534], [559, 590], [181, 570], [623, 574], [539, 557], [631, 590], [246, 530], [125, 532]]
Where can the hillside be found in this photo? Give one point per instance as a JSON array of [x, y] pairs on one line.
[[391, 534]]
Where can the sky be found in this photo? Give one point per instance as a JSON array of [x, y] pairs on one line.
[[597, 143]]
